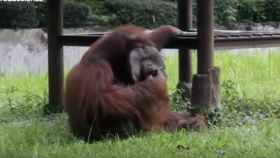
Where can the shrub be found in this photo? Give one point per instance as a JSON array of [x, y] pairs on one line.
[[30, 15], [97, 6], [18, 15], [148, 13], [272, 10], [42, 14], [251, 11], [76, 14], [226, 12]]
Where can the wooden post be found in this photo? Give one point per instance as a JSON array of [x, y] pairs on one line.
[[185, 63], [205, 26], [205, 88], [55, 55]]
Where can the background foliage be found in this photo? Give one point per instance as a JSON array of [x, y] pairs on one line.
[[18, 15], [148, 13]]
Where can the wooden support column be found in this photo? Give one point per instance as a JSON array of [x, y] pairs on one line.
[[185, 63], [55, 55], [205, 27], [205, 88]]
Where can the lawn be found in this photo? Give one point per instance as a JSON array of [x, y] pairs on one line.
[[249, 126]]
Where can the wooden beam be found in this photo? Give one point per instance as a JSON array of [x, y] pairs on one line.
[[188, 40], [55, 55], [87, 39], [241, 43]]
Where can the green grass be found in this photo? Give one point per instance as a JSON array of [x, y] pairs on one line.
[[249, 127], [254, 73], [50, 139]]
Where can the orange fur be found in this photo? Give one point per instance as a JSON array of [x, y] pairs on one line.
[[102, 100]]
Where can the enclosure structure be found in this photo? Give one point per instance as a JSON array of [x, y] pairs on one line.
[[202, 88]]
